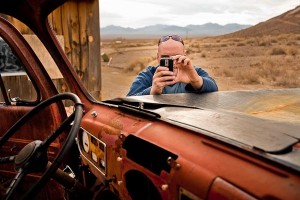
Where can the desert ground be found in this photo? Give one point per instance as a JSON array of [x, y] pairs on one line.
[[235, 63]]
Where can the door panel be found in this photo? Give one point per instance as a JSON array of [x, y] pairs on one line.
[[23, 87]]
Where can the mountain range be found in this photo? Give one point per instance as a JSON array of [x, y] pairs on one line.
[[286, 23], [208, 29]]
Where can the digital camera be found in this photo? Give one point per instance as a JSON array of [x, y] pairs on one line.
[[166, 62]]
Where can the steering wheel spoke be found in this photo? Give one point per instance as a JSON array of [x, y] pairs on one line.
[[7, 159], [14, 183], [33, 157], [46, 143]]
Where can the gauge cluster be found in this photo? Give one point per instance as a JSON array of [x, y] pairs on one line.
[[93, 149]]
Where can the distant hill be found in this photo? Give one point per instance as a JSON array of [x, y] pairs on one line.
[[209, 29], [288, 22]]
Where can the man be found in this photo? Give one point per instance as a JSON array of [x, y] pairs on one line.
[[185, 77]]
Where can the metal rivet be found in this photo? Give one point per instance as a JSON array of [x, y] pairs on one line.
[[94, 114], [164, 187], [141, 105], [119, 159], [173, 163]]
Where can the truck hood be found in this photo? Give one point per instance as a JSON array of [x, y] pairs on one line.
[[264, 121]]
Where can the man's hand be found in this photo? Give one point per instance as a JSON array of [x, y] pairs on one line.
[[185, 72], [162, 77]]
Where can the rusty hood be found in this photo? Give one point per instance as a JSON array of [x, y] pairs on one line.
[[263, 121]]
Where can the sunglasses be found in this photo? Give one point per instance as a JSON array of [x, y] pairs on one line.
[[173, 37]]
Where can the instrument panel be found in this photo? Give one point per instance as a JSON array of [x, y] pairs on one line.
[[93, 149]]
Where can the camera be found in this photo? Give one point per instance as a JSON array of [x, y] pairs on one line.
[[166, 62]]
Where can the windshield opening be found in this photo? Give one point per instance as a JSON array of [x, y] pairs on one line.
[[238, 51], [108, 56]]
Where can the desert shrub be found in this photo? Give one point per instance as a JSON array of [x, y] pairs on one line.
[[249, 76], [273, 40], [223, 72], [135, 66], [240, 44], [282, 37], [293, 51], [288, 81], [118, 48], [138, 64], [105, 57], [263, 43], [252, 78], [236, 39], [268, 69], [288, 59], [250, 41], [193, 50], [278, 51], [195, 45], [297, 37], [189, 50], [291, 43], [234, 53], [279, 73]]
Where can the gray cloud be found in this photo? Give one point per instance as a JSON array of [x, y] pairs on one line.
[[138, 13]]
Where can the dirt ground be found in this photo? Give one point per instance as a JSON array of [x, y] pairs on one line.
[[235, 64], [116, 81]]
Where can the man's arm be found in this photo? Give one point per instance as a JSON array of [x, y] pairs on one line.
[[208, 85], [142, 83], [197, 79]]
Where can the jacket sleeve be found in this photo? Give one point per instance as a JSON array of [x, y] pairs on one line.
[[209, 84], [142, 83]]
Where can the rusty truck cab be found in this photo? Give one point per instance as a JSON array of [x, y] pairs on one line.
[[68, 145]]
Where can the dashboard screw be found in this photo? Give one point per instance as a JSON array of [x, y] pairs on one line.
[[164, 187], [94, 114], [119, 159]]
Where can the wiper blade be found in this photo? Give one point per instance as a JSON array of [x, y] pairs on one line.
[[138, 111], [149, 105]]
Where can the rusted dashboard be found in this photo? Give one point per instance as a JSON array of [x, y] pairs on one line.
[[132, 164], [144, 157]]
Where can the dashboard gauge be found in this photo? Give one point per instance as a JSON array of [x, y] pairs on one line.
[[85, 142], [94, 157], [102, 164], [92, 150]]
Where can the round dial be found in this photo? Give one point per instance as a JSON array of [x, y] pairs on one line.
[[85, 142]]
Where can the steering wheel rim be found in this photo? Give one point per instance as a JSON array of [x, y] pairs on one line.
[[41, 147]]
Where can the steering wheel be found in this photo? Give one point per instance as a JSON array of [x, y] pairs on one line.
[[33, 157]]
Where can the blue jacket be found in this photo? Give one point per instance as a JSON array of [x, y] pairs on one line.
[[143, 82]]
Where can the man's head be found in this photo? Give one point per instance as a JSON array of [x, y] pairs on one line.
[[170, 46], [173, 37]]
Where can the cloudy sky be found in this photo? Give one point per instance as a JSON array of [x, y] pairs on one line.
[[140, 13]]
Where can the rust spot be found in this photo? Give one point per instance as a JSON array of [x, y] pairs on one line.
[[111, 130], [297, 146]]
